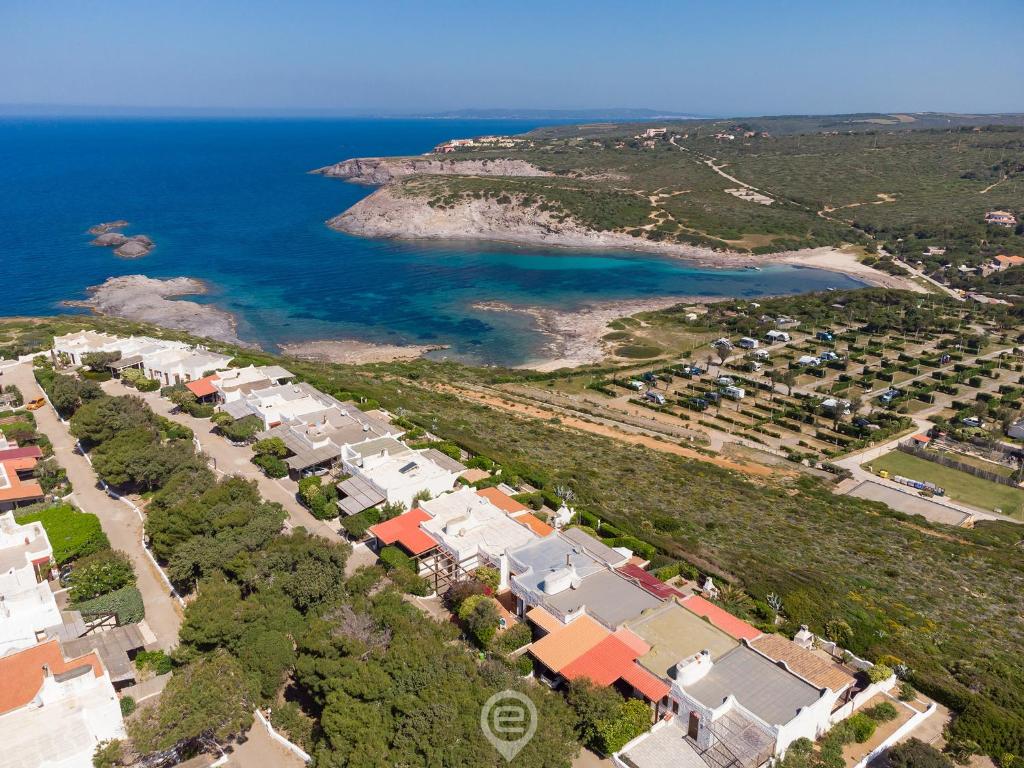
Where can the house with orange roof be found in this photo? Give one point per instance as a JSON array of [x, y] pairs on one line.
[[54, 711], [584, 648], [17, 484], [1003, 261]]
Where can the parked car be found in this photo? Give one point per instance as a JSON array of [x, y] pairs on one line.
[[972, 421], [36, 403], [697, 403], [889, 395], [725, 381]]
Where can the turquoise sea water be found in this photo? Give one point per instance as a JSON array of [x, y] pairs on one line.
[[229, 201]]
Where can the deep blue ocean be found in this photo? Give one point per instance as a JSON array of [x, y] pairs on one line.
[[230, 201]]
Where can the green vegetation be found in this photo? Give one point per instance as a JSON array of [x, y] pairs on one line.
[[983, 494], [157, 662], [72, 534], [914, 753], [126, 602], [321, 499], [830, 181], [98, 574]]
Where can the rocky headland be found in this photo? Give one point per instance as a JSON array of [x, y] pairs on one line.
[[107, 235], [388, 213], [383, 170], [148, 300]]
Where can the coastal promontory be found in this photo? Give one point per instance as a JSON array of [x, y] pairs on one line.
[[148, 300]]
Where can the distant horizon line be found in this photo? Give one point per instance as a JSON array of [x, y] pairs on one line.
[[494, 113]]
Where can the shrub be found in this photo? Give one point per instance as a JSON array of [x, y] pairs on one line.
[[882, 712], [271, 446], [862, 726], [100, 573], [126, 602], [241, 430], [127, 706], [479, 616], [392, 558], [272, 466], [514, 638], [634, 717], [296, 724], [319, 498], [147, 385], [489, 577], [410, 583], [157, 662], [108, 754], [879, 672], [358, 524], [914, 753], [460, 592], [72, 534], [523, 665], [907, 692]]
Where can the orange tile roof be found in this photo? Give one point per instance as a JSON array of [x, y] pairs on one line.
[[203, 387], [807, 664], [1011, 260], [18, 489], [502, 500], [633, 640], [535, 524], [405, 530], [612, 659], [725, 621], [567, 643], [22, 672], [543, 619]]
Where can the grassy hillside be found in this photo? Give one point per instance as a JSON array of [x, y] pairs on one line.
[[873, 180], [947, 602]]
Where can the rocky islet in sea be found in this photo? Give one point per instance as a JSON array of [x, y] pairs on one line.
[[126, 246]]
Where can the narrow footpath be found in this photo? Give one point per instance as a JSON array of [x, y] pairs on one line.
[[120, 522]]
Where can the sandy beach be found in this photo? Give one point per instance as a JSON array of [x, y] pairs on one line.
[[352, 352]]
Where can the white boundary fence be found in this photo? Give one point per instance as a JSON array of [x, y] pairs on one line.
[[294, 748], [898, 734]]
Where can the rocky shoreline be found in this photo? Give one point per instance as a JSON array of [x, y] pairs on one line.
[[352, 352], [385, 214], [575, 337], [383, 170], [148, 300]]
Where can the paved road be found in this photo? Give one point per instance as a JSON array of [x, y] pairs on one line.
[[120, 522], [228, 459]]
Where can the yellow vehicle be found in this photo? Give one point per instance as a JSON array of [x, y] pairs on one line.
[[36, 404], [883, 473]]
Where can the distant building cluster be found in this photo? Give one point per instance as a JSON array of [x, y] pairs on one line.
[[487, 142], [1001, 218]]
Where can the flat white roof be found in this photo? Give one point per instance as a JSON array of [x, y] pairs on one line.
[[465, 523]]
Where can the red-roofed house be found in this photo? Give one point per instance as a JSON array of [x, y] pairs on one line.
[[518, 512], [405, 532], [649, 582], [725, 621], [55, 711], [203, 388], [16, 484]]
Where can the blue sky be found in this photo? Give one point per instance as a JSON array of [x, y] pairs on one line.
[[723, 58]]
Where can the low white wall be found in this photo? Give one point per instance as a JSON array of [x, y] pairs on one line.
[[897, 735], [294, 748]]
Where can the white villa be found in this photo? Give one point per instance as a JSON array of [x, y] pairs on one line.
[[169, 362], [394, 472], [27, 605]]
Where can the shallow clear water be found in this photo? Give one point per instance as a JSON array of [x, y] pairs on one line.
[[229, 201]]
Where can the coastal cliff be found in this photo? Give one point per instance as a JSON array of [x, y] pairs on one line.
[[383, 170]]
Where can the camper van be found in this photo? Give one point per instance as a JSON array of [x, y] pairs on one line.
[[774, 337], [734, 393], [655, 397], [748, 343]]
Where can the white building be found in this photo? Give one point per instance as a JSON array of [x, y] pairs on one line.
[[394, 472], [55, 711], [27, 605], [169, 362], [234, 383], [472, 531]]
